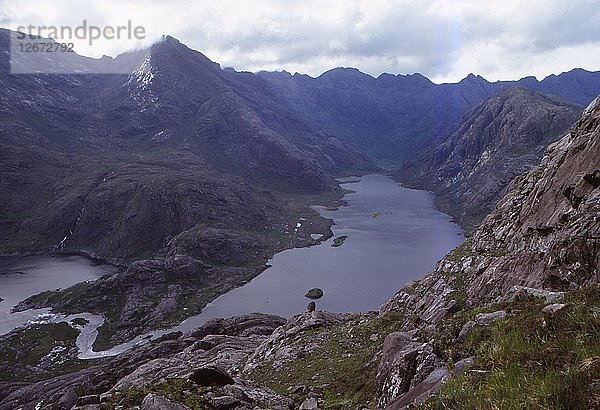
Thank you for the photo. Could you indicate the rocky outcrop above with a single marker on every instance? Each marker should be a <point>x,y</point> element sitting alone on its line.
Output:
<point>228,343</point>
<point>501,138</point>
<point>155,402</point>
<point>276,351</point>
<point>406,363</point>
<point>222,347</point>
<point>541,240</point>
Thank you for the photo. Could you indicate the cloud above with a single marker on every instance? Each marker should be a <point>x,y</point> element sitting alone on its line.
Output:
<point>445,40</point>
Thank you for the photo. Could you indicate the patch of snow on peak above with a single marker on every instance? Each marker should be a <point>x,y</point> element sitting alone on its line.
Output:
<point>142,79</point>
<point>144,75</point>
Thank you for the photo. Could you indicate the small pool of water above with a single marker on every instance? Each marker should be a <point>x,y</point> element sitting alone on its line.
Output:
<point>21,278</point>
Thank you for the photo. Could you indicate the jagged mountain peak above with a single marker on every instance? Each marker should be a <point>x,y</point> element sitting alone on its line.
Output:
<point>472,78</point>
<point>170,50</point>
<point>498,139</point>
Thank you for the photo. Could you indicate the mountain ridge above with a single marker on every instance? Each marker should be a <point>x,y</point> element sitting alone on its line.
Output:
<point>515,305</point>
<point>497,140</point>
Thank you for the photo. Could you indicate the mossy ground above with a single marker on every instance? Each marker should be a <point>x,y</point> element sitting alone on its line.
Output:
<point>342,367</point>
<point>530,360</point>
<point>176,390</point>
<point>39,352</point>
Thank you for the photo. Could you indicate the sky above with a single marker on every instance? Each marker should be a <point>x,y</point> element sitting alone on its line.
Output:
<point>443,39</point>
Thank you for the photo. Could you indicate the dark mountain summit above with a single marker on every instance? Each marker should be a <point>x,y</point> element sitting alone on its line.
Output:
<point>392,117</point>
<point>68,139</point>
<point>500,138</point>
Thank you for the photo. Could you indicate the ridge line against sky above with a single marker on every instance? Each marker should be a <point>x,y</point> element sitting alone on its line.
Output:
<point>441,39</point>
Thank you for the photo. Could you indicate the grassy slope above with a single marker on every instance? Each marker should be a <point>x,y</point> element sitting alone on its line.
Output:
<point>530,359</point>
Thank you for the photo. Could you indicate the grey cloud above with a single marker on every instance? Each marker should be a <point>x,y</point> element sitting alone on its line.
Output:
<point>435,37</point>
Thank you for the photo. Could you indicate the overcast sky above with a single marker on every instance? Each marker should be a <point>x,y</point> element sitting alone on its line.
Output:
<point>442,39</point>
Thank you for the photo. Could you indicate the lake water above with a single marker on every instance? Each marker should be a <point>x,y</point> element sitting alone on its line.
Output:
<point>394,235</point>
<point>24,277</point>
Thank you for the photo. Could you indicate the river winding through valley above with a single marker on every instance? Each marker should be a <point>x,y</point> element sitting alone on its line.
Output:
<point>393,235</point>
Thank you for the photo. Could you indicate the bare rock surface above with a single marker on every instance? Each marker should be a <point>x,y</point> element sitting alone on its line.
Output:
<point>541,240</point>
<point>155,402</point>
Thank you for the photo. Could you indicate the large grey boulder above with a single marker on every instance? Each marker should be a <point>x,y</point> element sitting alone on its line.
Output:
<point>155,402</point>
<point>423,390</point>
<point>405,363</point>
<point>310,403</point>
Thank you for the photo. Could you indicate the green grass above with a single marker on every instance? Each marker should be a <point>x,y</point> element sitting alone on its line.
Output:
<point>529,360</point>
<point>176,390</point>
<point>24,353</point>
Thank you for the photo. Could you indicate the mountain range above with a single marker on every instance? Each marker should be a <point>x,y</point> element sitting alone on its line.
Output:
<point>393,117</point>
<point>509,319</point>
<point>190,177</point>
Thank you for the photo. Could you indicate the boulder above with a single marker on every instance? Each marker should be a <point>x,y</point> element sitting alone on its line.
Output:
<point>422,391</point>
<point>314,293</point>
<point>155,402</point>
<point>68,399</point>
<point>481,320</point>
<point>405,363</point>
<point>553,308</point>
<point>310,403</point>
<point>484,319</point>
<point>466,331</point>
<point>225,402</point>
<point>549,296</point>
<point>463,365</point>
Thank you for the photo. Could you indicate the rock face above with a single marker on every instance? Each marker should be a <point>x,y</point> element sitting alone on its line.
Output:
<point>540,240</point>
<point>543,233</point>
<point>405,363</point>
<point>155,402</point>
<point>501,138</point>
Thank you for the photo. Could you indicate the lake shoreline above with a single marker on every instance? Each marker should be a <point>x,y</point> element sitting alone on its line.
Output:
<point>326,212</point>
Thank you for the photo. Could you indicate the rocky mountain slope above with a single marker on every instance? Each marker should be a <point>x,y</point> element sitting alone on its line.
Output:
<point>502,137</point>
<point>508,319</point>
<point>541,240</point>
<point>393,117</point>
<point>97,156</point>
<point>542,233</point>
<point>191,171</point>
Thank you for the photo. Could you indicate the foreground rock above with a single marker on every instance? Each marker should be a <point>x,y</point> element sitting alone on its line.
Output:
<point>406,363</point>
<point>155,402</point>
<point>175,357</point>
